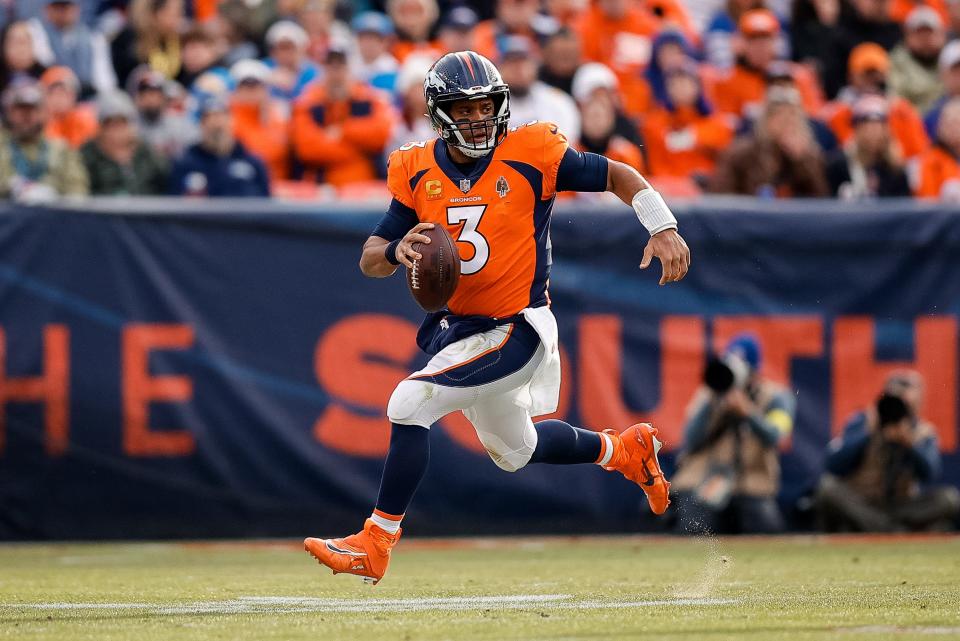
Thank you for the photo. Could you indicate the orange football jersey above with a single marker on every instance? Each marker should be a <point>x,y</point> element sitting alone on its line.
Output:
<point>499,214</point>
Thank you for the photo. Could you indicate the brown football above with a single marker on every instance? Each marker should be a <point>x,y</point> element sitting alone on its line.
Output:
<point>433,279</point>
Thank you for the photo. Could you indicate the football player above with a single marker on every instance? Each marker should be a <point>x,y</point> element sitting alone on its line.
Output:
<point>494,349</point>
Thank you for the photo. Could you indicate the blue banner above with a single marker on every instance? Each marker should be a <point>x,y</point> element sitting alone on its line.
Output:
<point>195,369</point>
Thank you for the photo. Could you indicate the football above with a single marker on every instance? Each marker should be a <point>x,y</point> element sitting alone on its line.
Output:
<point>433,279</point>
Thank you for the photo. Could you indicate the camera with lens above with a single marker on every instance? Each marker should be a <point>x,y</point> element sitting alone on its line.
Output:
<point>724,373</point>
<point>891,409</point>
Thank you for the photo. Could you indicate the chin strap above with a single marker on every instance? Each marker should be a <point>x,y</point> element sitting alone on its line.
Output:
<point>653,211</point>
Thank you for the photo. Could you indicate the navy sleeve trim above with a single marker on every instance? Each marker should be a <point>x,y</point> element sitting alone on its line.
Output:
<point>582,171</point>
<point>395,224</point>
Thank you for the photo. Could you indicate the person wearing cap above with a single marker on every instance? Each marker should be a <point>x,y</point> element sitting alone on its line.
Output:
<point>260,121</point>
<point>870,164</point>
<point>869,71</point>
<point>742,90</point>
<point>414,21</point>
<point>34,168</point>
<point>218,166</point>
<point>728,473</point>
<point>880,470</point>
<point>68,121</point>
<point>938,170</point>
<point>457,30</point>
<point>683,134</point>
<point>598,133</point>
<point>531,99</point>
<point>512,18</point>
<point>373,62</point>
<point>914,74</point>
<point>595,81</point>
<point>290,69</point>
<point>949,67</point>
<point>720,30</point>
<point>900,10</point>
<point>779,158</point>
<point>118,162</point>
<point>60,38</point>
<point>412,125</point>
<point>168,132</point>
<point>340,126</point>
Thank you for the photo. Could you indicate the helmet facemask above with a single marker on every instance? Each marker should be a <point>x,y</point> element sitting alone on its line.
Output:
<point>482,136</point>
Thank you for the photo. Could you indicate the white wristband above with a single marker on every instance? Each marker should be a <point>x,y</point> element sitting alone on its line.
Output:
<point>652,211</point>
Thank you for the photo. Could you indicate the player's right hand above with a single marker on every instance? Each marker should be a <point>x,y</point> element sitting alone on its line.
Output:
<point>405,253</point>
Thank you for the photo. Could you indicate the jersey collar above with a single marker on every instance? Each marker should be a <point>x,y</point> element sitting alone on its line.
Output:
<point>442,155</point>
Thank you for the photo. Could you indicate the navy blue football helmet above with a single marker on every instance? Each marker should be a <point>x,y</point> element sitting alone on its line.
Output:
<point>465,75</point>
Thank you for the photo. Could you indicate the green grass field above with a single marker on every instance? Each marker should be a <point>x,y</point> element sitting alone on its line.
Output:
<point>592,588</point>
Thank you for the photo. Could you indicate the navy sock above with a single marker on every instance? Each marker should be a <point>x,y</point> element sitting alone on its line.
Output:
<point>404,468</point>
<point>560,443</point>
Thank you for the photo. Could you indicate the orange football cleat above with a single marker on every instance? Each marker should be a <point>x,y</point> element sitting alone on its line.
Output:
<point>635,456</point>
<point>366,553</point>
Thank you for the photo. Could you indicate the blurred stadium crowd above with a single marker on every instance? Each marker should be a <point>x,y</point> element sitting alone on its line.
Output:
<point>305,98</point>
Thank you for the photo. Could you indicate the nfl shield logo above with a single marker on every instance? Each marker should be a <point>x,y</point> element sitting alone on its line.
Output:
<point>502,186</point>
<point>464,185</point>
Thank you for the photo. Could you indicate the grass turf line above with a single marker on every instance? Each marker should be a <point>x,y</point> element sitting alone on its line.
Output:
<point>704,589</point>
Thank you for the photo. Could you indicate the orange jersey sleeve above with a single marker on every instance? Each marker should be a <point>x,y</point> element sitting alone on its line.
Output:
<point>541,145</point>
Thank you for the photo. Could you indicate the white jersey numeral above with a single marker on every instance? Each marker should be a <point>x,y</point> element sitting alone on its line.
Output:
<point>470,217</point>
<point>410,145</point>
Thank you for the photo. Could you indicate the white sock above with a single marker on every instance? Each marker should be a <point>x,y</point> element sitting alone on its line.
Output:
<point>387,522</point>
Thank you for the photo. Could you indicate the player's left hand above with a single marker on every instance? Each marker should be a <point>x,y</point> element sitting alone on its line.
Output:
<point>673,253</point>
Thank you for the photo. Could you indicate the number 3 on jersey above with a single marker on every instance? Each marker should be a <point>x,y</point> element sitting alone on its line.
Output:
<point>470,217</point>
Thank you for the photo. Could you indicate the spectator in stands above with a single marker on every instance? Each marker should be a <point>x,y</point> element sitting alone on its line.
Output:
<point>684,137</point>
<point>374,64</point>
<point>913,63</point>
<point>18,58</point>
<point>34,168</point>
<point>900,9</point>
<point>198,57</point>
<point>561,59</point>
<point>218,165</point>
<point>953,15</point>
<point>939,167</point>
<point>68,121</point>
<point>531,99</point>
<point>252,19</point>
<point>414,21</point>
<point>457,30</point>
<point>168,132</point>
<point>779,159</point>
<point>291,71</point>
<point>594,81</point>
<point>741,92</point>
<point>151,37</point>
<point>869,72</point>
<point>780,74</point>
<point>867,21</point>
<point>230,42</point>
<point>721,30</point>
<point>340,126</point>
<point>870,164</point>
<point>319,20</point>
<point>619,34</point>
<point>413,124</point>
<point>565,12</point>
<point>728,475</point>
<point>118,162</point>
<point>514,18</point>
<point>877,469</point>
<point>815,39</point>
<point>60,38</point>
<point>949,66</point>
<point>670,51</point>
<point>260,122</point>
<point>599,133</point>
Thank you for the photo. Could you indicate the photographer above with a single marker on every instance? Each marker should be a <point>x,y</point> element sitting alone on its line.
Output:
<point>876,467</point>
<point>729,474</point>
